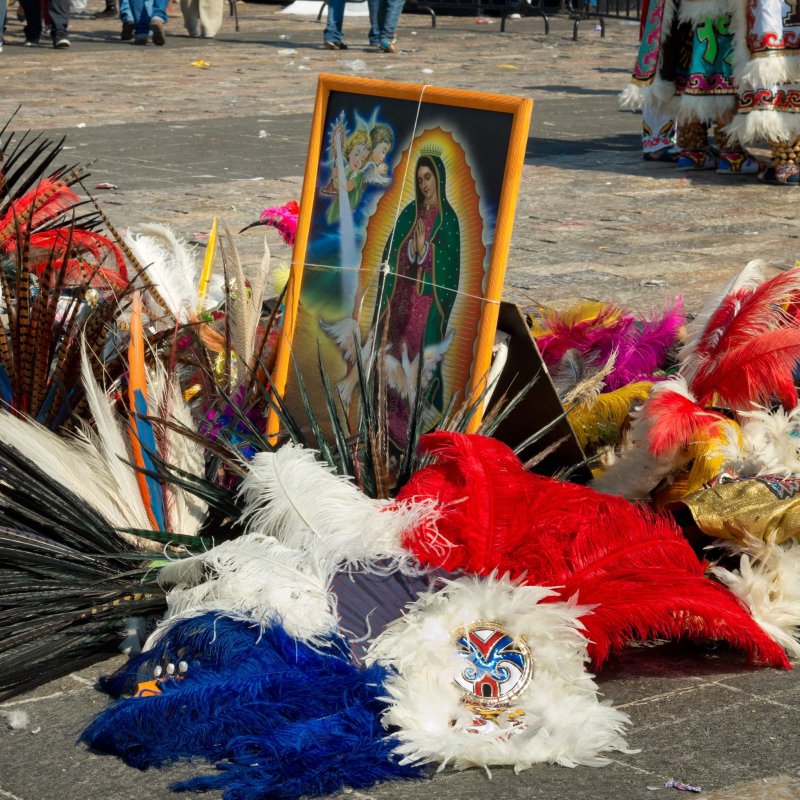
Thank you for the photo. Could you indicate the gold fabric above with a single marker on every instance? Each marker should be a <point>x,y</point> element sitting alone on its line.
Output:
<point>756,507</point>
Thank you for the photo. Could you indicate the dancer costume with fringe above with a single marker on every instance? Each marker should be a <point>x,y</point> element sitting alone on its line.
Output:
<point>685,68</point>
<point>767,72</point>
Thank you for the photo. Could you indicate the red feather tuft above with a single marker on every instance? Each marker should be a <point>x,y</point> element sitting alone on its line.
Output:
<point>635,565</point>
<point>675,421</point>
<point>746,353</point>
<point>38,206</point>
<point>755,372</point>
<point>107,269</point>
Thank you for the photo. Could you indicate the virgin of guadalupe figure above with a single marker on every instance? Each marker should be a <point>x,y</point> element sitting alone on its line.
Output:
<point>424,255</point>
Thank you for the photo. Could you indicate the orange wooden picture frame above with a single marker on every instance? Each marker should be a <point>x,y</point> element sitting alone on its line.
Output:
<point>519,108</point>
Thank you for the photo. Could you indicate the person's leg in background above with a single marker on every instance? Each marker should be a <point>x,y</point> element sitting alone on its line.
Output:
<point>333,30</point>
<point>33,21</point>
<point>375,21</point>
<point>126,15</point>
<point>211,12</point>
<point>59,19</point>
<point>391,16</point>
<point>2,22</point>
<point>158,19</point>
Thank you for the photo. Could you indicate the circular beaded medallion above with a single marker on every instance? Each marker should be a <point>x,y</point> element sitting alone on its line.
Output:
<point>498,666</point>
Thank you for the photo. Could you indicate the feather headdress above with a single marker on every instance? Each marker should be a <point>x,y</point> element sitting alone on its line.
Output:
<point>636,567</point>
<point>281,719</point>
<point>485,673</point>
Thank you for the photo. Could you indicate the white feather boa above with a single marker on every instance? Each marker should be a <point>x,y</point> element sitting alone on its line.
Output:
<point>253,576</point>
<point>292,496</point>
<point>562,719</point>
<point>768,582</point>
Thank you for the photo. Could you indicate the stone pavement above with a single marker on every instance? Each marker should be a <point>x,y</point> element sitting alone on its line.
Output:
<point>184,142</point>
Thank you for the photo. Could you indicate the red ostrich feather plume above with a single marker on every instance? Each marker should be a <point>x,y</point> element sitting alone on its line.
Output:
<point>635,566</point>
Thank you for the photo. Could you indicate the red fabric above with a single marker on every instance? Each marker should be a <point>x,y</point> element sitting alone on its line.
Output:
<point>643,17</point>
<point>635,565</point>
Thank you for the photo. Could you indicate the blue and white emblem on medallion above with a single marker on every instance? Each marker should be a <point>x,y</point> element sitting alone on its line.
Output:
<point>497,666</point>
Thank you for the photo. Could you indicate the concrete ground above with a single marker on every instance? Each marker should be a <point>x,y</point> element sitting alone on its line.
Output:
<point>183,142</point>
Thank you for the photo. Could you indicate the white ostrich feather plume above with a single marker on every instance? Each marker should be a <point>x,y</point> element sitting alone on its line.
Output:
<point>292,496</point>
<point>772,442</point>
<point>563,721</point>
<point>92,465</point>
<point>768,582</point>
<point>171,267</point>
<point>185,511</point>
<point>254,576</point>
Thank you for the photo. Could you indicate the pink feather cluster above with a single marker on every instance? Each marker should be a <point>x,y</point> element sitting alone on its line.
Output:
<point>641,346</point>
<point>283,219</point>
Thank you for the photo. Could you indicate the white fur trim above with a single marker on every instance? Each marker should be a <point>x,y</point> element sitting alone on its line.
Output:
<point>764,126</point>
<point>768,582</point>
<point>565,722</point>
<point>771,443</point>
<point>698,11</point>
<point>705,108</point>
<point>255,576</point>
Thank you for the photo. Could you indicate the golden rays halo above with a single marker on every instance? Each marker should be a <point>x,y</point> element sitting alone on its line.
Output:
<point>461,192</point>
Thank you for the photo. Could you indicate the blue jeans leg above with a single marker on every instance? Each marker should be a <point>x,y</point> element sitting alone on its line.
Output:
<point>125,11</point>
<point>375,9</point>
<point>333,30</point>
<point>2,18</point>
<point>141,11</point>
<point>391,16</point>
<point>160,9</point>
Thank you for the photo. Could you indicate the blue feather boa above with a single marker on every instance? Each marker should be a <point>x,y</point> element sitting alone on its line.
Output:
<point>287,720</point>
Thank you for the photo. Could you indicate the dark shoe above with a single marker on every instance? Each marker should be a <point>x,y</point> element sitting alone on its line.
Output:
<point>783,175</point>
<point>140,40</point>
<point>331,45</point>
<point>666,155</point>
<point>31,43</point>
<point>128,28</point>
<point>109,12</point>
<point>61,40</point>
<point>157,27</point>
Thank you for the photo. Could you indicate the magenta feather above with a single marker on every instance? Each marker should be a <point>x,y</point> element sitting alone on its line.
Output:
<point>283,219</point>
<point>644,348</point>
<point>597,337</point>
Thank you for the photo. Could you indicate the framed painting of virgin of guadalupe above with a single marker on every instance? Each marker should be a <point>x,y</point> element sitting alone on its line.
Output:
<point>405,221</point>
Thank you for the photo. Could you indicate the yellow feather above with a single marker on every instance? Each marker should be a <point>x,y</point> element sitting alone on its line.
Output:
<point>544,318</point>
<point>600,420</point>
<point>708,456</point>
<point>208,265</point>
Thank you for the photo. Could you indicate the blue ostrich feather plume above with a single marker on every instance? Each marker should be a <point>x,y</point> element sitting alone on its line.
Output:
<point>284,719</point>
